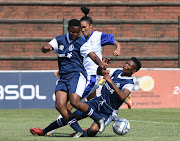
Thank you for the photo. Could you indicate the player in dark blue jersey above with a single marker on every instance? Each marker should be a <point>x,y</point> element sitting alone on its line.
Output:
<point>71,49</point>
<point>119,84</point>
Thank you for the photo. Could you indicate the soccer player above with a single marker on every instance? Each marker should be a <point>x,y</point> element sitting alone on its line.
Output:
<point>71,49</point>
<point>119,84</point>
<point>98,40</point>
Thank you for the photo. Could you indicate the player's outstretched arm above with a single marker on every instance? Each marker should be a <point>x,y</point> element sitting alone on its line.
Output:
<point>47,48</point>
<point>96,59</point>
<point>118,48</point>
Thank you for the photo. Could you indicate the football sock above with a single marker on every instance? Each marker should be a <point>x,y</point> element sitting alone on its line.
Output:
<point>54,125</point>
<point>74,124</point>
<point>62,122</point>
<point>91,113</point>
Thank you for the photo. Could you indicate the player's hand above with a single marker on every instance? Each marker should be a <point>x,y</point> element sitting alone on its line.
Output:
<point>46,48</point>
<point>106,60</point>
<point>105,63</point>
<point>56,74</point>
<point>116,53</point>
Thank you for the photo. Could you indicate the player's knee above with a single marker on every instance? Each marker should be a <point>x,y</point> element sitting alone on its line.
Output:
<point>59,106</point>
<point>76,104</point>
<point>75,100</point>
<point>94,129</point>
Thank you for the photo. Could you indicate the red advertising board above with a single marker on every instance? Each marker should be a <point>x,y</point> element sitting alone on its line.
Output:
<point>156,89</point>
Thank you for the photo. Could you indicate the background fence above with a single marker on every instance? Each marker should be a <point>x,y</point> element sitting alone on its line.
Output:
<point>154,41</point>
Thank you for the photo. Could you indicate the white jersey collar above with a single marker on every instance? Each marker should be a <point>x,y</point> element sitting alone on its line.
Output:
<point>124,77</point>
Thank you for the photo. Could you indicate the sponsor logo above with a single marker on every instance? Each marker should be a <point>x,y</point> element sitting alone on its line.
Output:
<point>25,92</point>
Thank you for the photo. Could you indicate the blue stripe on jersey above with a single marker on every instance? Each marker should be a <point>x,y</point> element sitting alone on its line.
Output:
<point>90,35</point>
<point>108,92</point>
<point>69,56</point>
<point>107,39</point>
<point>89,86</point>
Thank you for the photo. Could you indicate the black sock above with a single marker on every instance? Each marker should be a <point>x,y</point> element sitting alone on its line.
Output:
<point>74,124</point>
<point>91,113</point>
<point>52,126</point>
<point>56,124</point>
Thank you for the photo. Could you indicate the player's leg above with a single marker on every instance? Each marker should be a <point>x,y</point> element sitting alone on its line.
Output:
<point>60,122</point>
<point>88,110</point>
<point>60,104</point>
<point>92,131</point>
<point>69,106</point>
<point>89,91</point>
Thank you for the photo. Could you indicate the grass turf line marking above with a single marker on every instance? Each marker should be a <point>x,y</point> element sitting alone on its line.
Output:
<point>153,122</point>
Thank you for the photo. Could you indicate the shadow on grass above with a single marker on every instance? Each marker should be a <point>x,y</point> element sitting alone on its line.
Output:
<point>68,135</point>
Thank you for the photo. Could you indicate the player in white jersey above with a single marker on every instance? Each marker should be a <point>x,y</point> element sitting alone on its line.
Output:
<point>98,40</point>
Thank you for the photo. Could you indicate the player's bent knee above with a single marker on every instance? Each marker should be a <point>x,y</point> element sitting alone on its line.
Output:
<point>95,130</point>
<point>76,104</point>
<point>60,107</point>
<point>92,132</point>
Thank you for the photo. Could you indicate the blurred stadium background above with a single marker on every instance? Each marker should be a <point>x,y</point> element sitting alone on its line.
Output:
<point>145,29</point>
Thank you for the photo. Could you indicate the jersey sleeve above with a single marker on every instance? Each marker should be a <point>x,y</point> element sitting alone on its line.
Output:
<point>107,39</point>
<point>111,72</point>
<point>85,49</point>
<point>54,44</point>
<point>130,87</point>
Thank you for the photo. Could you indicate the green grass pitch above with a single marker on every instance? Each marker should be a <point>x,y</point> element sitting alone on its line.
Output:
<point>146,125</point>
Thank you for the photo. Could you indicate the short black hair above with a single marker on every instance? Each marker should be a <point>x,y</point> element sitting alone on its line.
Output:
<point>74,22</point>
<point>137,62</point>
<point>86,10</point>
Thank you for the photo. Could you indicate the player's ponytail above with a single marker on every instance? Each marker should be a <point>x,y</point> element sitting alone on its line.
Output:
<point>86,10</point>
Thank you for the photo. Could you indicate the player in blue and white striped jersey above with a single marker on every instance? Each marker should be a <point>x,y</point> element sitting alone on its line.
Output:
<point>119,84</point>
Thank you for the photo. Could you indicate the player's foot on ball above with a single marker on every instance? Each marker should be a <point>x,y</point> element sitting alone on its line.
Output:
<point>101,124</point>
<point>37,131</point>
<point>128,102</point>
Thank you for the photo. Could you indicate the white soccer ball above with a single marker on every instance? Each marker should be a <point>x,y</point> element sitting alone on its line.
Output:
<point>121,126</point>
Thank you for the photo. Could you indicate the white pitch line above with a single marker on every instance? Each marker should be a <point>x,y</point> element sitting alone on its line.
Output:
<point>153,122</point>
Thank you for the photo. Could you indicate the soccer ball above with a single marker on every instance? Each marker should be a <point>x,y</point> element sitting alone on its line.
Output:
<point>121,126</point>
